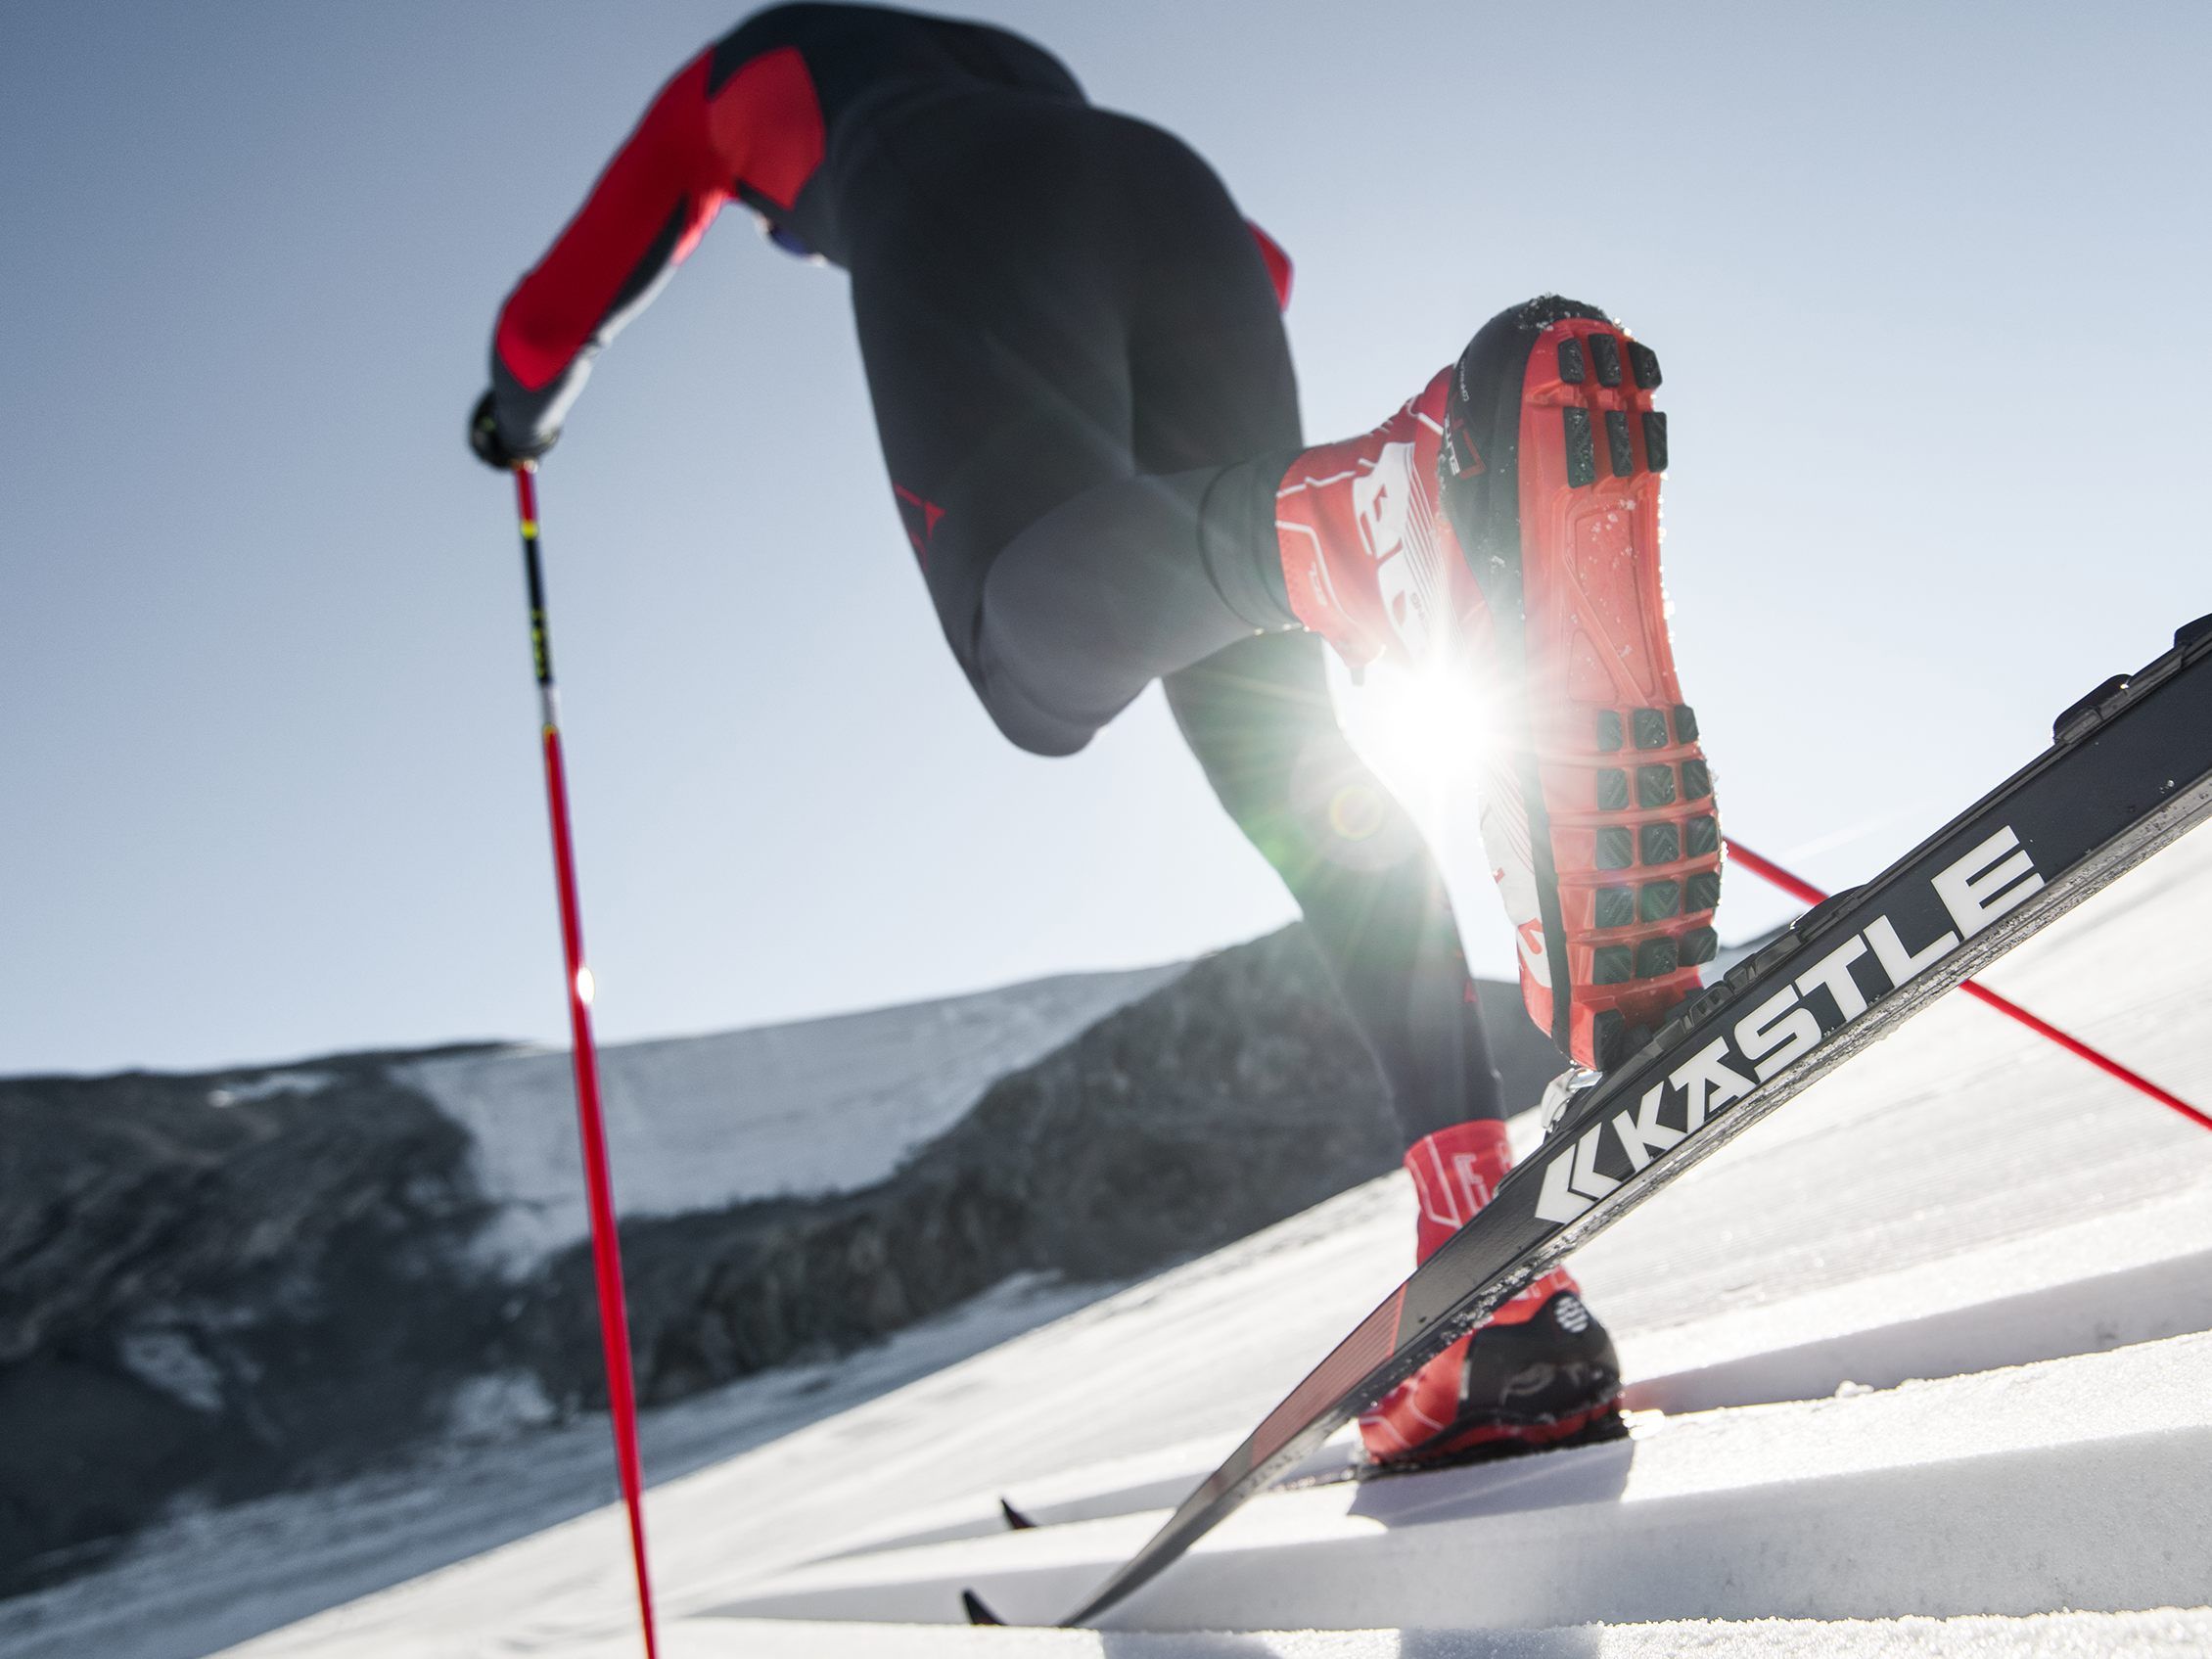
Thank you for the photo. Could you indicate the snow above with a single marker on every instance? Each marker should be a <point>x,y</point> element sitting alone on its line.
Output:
<point>269,1087</point>
<point>210,1578</point>
<point>1922,1366</point>
<point>168,1361</point>
<point>820,1106</point>
<point>1800,1509</point>
<point>2180,1633</point>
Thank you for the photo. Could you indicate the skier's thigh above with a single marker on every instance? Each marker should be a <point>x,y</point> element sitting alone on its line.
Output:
<point>992,427</point>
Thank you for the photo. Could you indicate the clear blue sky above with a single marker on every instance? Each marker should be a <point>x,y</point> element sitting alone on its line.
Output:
<point>1930,284</point>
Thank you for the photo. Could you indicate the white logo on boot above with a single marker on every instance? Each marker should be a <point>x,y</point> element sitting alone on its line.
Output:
<point>1535,958</point>
<point>1391,513</point>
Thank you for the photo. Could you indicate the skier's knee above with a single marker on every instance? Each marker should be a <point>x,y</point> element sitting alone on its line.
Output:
<point>1028,725</point>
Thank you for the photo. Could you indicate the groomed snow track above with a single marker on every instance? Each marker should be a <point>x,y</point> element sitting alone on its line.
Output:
<point>1924,1365</point>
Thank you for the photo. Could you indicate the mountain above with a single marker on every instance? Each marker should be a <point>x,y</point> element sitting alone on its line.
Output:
<point>218,1284</point>
<point>221,1287</point>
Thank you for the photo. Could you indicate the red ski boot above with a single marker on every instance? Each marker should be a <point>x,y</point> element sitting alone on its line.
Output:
<point>1541,1369</point>
<point>1367,559</point>
<point>1512,512</point>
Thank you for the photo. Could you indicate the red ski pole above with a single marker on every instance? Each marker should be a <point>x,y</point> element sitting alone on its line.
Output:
<point>606,1247</point>
<point>1798,888</point>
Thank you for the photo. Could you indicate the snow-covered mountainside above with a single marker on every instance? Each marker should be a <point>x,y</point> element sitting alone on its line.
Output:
<point>1923,1364</point>
<point>222,1284</point>
<point>695,1122</point>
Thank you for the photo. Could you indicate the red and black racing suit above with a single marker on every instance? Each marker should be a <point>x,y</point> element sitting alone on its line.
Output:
<point>1086,399</point>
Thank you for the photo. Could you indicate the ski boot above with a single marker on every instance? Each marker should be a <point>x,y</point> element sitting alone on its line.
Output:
<point>1510,515</point>
<point>1541,1370</point>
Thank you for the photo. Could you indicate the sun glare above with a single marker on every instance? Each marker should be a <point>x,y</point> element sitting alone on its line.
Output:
<point>1425,730</point>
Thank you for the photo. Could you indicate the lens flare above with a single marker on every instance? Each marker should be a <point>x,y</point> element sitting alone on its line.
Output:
<point>1428,732</point>
<point>1425,730</point>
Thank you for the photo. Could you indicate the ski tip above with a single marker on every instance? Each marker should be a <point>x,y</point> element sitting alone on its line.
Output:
<point>978,1614</point>
<point>1016,1521</point>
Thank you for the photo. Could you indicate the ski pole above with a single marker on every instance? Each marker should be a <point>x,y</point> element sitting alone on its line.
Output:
<point>606,1247</point>
<point>1798,888</point>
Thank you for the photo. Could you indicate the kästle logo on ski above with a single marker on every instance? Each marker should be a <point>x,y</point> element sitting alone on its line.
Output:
<point>1975,891</point>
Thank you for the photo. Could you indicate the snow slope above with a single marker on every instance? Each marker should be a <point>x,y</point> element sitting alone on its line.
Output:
<point>1922,1367</point>
<point>882,1081</point>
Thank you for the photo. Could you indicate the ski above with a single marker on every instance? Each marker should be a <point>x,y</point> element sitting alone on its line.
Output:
<point>2129,771</point>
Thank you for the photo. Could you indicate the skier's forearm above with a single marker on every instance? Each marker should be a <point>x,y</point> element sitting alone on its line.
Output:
<point>645,214</point>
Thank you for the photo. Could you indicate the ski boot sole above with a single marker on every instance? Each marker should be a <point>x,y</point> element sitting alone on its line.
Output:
<point>1552,459</point>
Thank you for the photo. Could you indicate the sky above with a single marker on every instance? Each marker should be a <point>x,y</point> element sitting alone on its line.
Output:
<point>1929,283</point>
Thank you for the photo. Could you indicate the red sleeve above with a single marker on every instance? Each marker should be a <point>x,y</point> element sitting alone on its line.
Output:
<point>759,129</point>
<point>1279,264</point>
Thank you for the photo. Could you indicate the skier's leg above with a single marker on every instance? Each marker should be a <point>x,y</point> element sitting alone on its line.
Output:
<point>1214,383</point>
<point>1258,717</point>
<point>1510,510</point>
<point>1056,425</point>
<point>1004,336</point>
<point>1541,1369</point>
<point>1010,326</point>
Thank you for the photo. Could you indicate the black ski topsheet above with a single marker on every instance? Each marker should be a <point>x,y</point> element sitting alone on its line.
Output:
<point>2129,771</point>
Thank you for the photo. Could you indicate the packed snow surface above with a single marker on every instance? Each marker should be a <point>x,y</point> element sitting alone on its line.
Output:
<point>1923,1364</point>
<point>698,1122</point>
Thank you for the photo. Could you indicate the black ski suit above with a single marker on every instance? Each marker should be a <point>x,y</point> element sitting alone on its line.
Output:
<point>1086,399</point>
